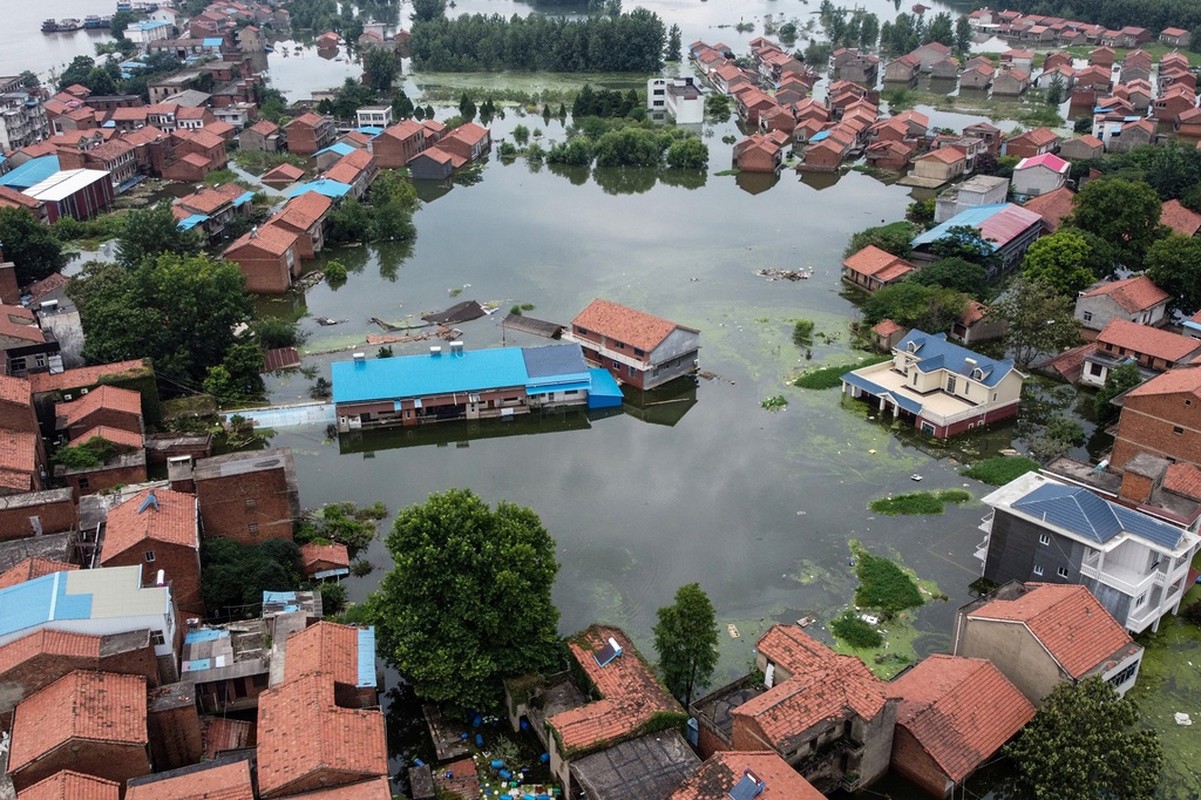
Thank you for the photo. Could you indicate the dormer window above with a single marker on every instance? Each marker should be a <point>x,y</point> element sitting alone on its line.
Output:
<point>977,374</point>
<point>911,347</point>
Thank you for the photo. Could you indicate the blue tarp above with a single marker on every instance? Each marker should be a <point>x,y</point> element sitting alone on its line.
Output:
<point>331,189</point>
<point>605,393</point>
<point>341,148</point>
<point>972,217</point>
<point>366,657</point>
<point>817,137</point>
<point>30,173</point>
<point>213,41</point>
<point>192,222</point>
<point>205,635</point>
<point>243,199</point>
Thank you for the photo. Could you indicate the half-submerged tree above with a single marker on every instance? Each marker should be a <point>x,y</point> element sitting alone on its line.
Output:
<point>686,638</point>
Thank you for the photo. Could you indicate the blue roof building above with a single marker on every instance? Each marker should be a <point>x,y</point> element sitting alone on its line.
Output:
<point>31,173</point>
<point>1007,228</point>
<point>331,189</point>
<point>340,148</point>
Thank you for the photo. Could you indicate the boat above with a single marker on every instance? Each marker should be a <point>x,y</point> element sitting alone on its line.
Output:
<point>61,25</point>
<point>94,22</point>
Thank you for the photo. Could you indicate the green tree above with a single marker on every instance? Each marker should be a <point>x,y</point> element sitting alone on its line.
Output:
<point>965,242</point>
<point>426,10</point>
<point>893,238</point>
<point>30,80</point>
<point>688,153</point>
<point>921,213</point>
<point>1060,261</point>
<point>380,68</point>
<point>915,305</point>
<point>30,245</point>
<point>717,107</point>
<point>686,639</point>
<point>953,273</point>
<point>466,108</point>
<point>1040,319</point>
<point>1120,211</point>
<point>239,375</point>
<point>235,575</point>
<point>468,601</point>
<point>1174,265</point>
<point>941,30</point>
<point>120,21</point>
<point>76,72</point>
<point>429,112</point>
<point>675,48</point>
<point>1087,742</point>
<point>1055,91</point>
<point>402,106</point>
<point>146,233</point>
<point>963,34</point>
<point>1121,378</point>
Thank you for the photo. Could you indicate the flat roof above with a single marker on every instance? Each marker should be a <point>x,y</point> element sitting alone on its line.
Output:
<point>65,183</point>
<point>79,595</point>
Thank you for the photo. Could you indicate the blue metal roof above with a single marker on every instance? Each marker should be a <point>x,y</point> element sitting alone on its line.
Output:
<point>604,391</point>
<point>366,660</point>
<point>205,635</point>
<point>243,199</point>
<point>972,217</point>
<point>566,386</point>
<point>817,137</point>
<point>370,130</point>
<point>902,401</point>
<point>420,376</point>
<point>39,601</point>
<point>331,189</point>
<point>1083,513</point>
<point>191,222</point>
<point>341,148</point>
<point>32,172</point>
<point>935,352</point>
<point>213,41</point>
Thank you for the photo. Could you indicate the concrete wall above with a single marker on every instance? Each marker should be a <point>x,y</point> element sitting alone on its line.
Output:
<point>1015,651</point>
<point>1014,551</point>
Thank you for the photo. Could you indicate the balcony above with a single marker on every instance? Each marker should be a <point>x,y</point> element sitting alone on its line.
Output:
<point>986,523</point>
<point>1125,581</point>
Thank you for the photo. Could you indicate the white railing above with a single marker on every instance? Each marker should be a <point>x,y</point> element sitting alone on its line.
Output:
<point>1122,584</point>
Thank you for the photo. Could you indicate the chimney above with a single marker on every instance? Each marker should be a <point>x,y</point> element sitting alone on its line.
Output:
<point>1142,477</point>
<point>436,351</point>
<point>179,474</point>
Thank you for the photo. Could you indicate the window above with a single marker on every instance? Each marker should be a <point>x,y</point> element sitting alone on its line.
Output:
<point>951,384</point>
<point>1044,538</point>
<point>1095,369</point>
<point>658,92</point>
<point>1038,570</point>
<point>16,365</point>
<point>83,485</point>
<point>250,503</point>
<point>914,377</point>
<point>1124,675</point>
<point>639,352</point>
<point>1062,572</point>
<point>1176,429</point>
<point>253,528</point>
<point>1141,601</point>
<point>1088,316</point>
<point>149,555</point>
<point>157,639</point>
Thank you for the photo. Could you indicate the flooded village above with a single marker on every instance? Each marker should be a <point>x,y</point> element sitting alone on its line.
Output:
<point>810,416</point>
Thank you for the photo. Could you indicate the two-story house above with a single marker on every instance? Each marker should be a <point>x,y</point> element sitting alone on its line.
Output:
<point>1041,529</point>
<point>638,348</point>
<point>1137,299</point>
<point>1161,417</point>
<point>872,268</point>
<point>944,388</point>
<point>1152,349</point>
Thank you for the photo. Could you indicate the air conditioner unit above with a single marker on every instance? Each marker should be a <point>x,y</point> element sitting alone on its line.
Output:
<point>83,391</point>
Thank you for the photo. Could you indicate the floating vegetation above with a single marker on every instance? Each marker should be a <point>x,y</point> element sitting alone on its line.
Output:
<point>919,502</point>
<point>855,631</point>
<point>831,376</point>
<point>1000,470</point>
<point>776,403</point>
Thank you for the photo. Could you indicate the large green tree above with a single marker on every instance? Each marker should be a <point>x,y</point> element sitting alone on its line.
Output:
<point>953,273</point>
<point>180,311</point>
<point>929,308</point>
<point>380,68</point>
<point>1121,378</point>
<point>1123,212</point>
<point>1061,261</point>
<point>30,245</point>
<point>686,639</point>
<point>146,233</point>
<point>235,575</point>
<point>468,601</point>
<point>1040,319</point>
<point>1086,743</point>
<point>1174,264</point>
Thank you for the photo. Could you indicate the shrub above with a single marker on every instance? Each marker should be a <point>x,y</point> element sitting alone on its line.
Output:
<point>802,332</point>
<point>777,403</point>
<point>830,377</point>
<point>1000,470</point>
<point>855,631</point>
<point>333,598</point>
<point>92,453</point>
<point>914,503</point>
<point>335,273</point>
<point>884,585</point>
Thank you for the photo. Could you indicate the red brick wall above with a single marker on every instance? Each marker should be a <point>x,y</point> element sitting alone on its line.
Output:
<point>101,479</point>
<point>55,517</point>
<point>708,742</point>
<point>264,275</point>
<point>180,564</point>
<point>1147,424</point>
<point>175,739</point>
<point>117,762</point>
<point>224,510</point>
<point>914,763</point>
<point>392,153</point>
<point>747,735</point>
<point>111,417</point>
<point>18,417</point>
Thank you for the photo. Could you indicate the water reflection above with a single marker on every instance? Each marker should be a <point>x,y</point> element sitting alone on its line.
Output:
<point>756,182</point>
<point>665,405</point>
<point>461,433</point>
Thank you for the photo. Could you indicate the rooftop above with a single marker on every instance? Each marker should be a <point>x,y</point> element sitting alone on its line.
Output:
<point>304,211</point>
<point>647,767</point>
<point>873,261</point>
<point>244,463</point>
<point>42,382</point>
<point>999,223</point>
<point>1182,220</point>
<point>374,789</point>
<point>960,710</point>
<point>346,652</point>
<point>630,326</point>
<point>65,183</point>
<point>17,322</point>
<point>33,567</point>
<point>110,398</point>
<point>155,515</point>
<point>1053,207</point>
<point>270,238</point>
<point>934,352</point>
<point>1132,294</point>
<point>1048,160</point>
<point>70,785</point>
<point>1176,381</point>
<point>1170,347</point>
<point>716,778</point>
<point>226,780</point>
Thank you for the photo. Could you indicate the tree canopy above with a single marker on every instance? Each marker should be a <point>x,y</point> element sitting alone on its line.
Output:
<point>145,233</point>
<point>1123,212</point>
<point>468,601</point>
<point>953,273</point>
<point>916,305</point>
<point>1041,320</point>
<point>380,68</point>
<point>1120,378</point>
<point>1086,742</point>
<point>30,245</point>
<point>893,238</point>
<point>236,575</point>
<point>686,639</point>
<point>1174,264</point>
<point>1060,261</point>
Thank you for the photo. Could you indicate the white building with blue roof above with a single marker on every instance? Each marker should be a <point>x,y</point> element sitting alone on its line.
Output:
<point>945,389</point>
<point>1042,530</point>
<point>459,384</point>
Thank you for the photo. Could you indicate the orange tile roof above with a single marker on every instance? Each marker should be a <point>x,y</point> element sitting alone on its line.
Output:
<point>301,731</point>
<point>93,706</point>
<point>307,120</point>
<point>886,327</point>
<point>1149,341</point>
<point>172,521</point>
<point>960,710</point>
<point>31,568</point>
<point>627,325</point>
<point>947,155</point>
<point>1053,207</point>
<point>403,130</point>
<point>314,556</point>
<point>1174,381</point>
<point>11,198</point>
<point>630,695</point>
<point>1180,219</point>
<point>222,782</point>
<point>1069,622</point>
<point>871,261</point>
<point>206,201</point>
<point>69,785</point>
<point>376,789</point>
<point>200,136</point>
<point>470,133</point>
<point>111,398</point>
<point>143,135</point>
<point>324,647</point>
<point>17,322</point>
<point>289,172</point>
<point>45,286</point>
<point>117,436</point>
<point>344,171</point>
<point>264,127</point>
<point>18,451</point>
<point>722,771</point>
<point>1133,294</point>
<point>83,376</point>
<point>57,644</point>
<point>270,238</point>
<point>15,390</point>
<point>1183,478</point>
<point>460,779</point>
<point>196,160</point>
<point>304,211</point>
<point>1037,137</point>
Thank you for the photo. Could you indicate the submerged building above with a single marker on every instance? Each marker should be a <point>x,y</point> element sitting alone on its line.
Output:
<point>459,384</point>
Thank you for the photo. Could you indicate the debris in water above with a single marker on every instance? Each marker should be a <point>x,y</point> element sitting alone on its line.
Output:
<point>325,321</point>
<point>1183,719</point>
<point>915,477</point>
<point>732,629</point>
<point>805,622</point>
<point>786,274</point>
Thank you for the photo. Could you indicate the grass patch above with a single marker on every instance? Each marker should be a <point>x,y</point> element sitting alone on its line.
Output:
<point>802,332</point>
<point>831,376</point>
<point>883,585</point>
<point>919,502</point>
<point>777,403</point>
<point>1000,470</point>
<point>855,631</point>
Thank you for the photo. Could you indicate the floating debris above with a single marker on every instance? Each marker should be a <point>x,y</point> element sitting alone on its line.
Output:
<point>460,312</point>
<point>786,274</point>
<point>732,629</point>
<point>915,477</point>
<point>806,621</point>
<point>327,321</point>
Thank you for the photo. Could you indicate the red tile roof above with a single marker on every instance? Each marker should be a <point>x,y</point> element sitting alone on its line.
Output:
<point>1180,219</point>
<point>886,327</point>
<point>947,155</point>
<point>117,436</point>
<point>403,130</point>
<point>376,789</point>
<point>84,705</point>
<point>200,136</point>
<point>269,238</point>
<point>460,779</point>
<point>196,160</point>
<point>1183,478</point>
<point>31,568</point>
<point>1174,381</point>
<point>206,201</point>
<point>15,390</point>
<point>69,785</point>
<point>471,134</point>
<point>301,731</point>
<point>960,710</point>
<point>288,172</point>
<point>110,398</point>
<point>315,557</point>
<point>627,325</point>
<point>264,127</point>
<point>83,376</point>
<point>309,120</point>
<point>18,452</point>
<point>11,198</point>
<point>1068,621</point>
<point>1037,137</point>
<point>171,521</point>
<point>17,322</point>
<point>1171,347</point>
<point>324,647</point>
<point>303,211</point>
<point>56,644</point>
<point>722,771</point>
<point>1053,207</point>
<point>221,782</point>
<point>630,695</point>
<point>222,734</point>
<point>873,261</point>
<point>1133,294</point>
<point>46,285</point>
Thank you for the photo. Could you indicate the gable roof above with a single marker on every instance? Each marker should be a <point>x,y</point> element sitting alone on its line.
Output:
<point>15,390</point>
<point>346,652</point>
<point>30,568</point>
<point>999,224</point>
<point>93,706</point>
<point>1054,206</point>
<point>960,710</point>
<point>1132,294</point>
<point>313,555</point>
<point>303,211</point>
<point>264,127</point>
<point>630,694</point>
<point>269,238</point>
<point>934,352</point>
<point>48,643</point>
<point>947,155</point>
<point>716,778</point>
<point>17,322</point>
<point>375,789</point>
<point>627,325</point>
<point>222,781</point>
<point>71,785</point>
<point>1184,221</point>
<point>1037,136</point>
<point>1149,341</point>
<point>1092,518</point>
<point>155,515</point>
<point>302,731</point>
<point>1047,160</point>
<point>288,172</point>
<point>1183,478</point>
<point>878,263</point>
<point>41,382</point>
<point>1174,381</point>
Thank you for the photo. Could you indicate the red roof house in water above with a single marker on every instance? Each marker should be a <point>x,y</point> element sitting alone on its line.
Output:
<point>638,348</point>
<point>872,268</point>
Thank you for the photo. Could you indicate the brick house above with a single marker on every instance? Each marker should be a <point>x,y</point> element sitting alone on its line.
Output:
<point>762,774</point>
<point>157,529</point>
<point>942,165</point>
<point>975,324</point>
<point>104,406</point>
<point>1136,299</point>
<point>108,741</point>
<point>34,566</point>
<point>227,779</point>
<point>470,142</point>
<point>24,346</point>
<point>357,169</point>
<point>1153,349</point>
<point>640,349</point>
<point>1175,37</point>
<point>305,216</point>
<point>1031,143</point>
<point>825,714</point>
<point>263,136</point>
<point>872,268</point>
<point>309,133</point>
<point>267,257</point>
<point>978,74</point>
<point>321,561</point>
<point>434,165</point>
<point>760,152</point>
<point>248,497</point>
<point>1082,148</point>
<point>902,70</point>
<point>1053,208</point>
<point>1161,417</point>
<point>1011,83</point>
<point>69,785</point>
<point>346,652</point>
<point>1181,220</point>
<point>306,741</point>
<point>891,155</point>
<point>399,144</point>
<point>1043,634</point>
<point>955,714</point>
